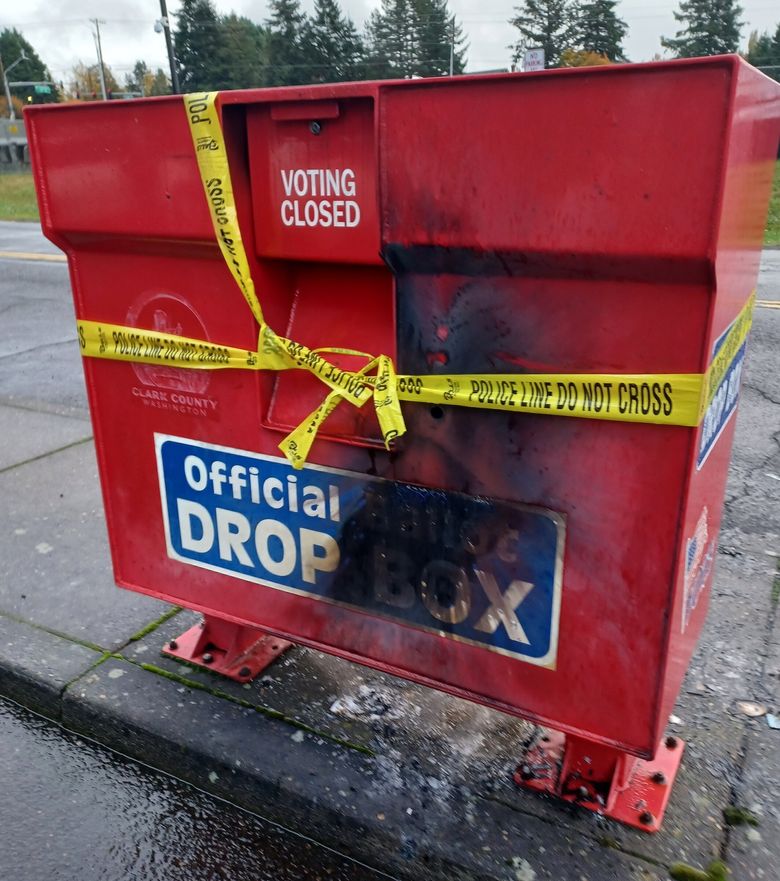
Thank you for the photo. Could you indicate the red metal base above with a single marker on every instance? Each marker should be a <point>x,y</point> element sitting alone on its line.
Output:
<point>232,650</point>
<point>602,778</point>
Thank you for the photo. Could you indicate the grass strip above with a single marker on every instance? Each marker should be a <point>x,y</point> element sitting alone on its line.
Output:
<point>153,625</point>
<point>772,232</point>
<point>17,197</point>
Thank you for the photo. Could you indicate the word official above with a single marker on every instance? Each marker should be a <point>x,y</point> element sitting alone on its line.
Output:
<point>279,548</point>
<point>319,197</point>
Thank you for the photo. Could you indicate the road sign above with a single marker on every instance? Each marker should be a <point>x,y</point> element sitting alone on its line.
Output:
<point>533,59</point>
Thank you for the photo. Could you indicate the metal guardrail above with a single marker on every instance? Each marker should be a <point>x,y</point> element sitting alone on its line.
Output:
<point>13,143</point>
<point>13,130</point>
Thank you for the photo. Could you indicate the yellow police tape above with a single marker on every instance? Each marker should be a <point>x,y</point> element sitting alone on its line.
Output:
<point>665,399</point>
<point>277,353</point>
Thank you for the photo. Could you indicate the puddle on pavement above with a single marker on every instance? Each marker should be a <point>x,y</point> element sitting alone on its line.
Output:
<point>72,810</point>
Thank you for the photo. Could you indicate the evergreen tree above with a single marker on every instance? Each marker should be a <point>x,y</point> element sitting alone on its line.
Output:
<point>600,29</point>
<point>551,24</point>
<point>392,40</point>
<point>759,49</point>
<point>246,61</point>
<point>764,52</point>
<point>407,38</point>
<point>710,27</point>
<point>332,45</point>
<point>136,81</point>
<point>201,47</point>
<point>439,35</point>
<point>32,69</point>
<point>287,60</point>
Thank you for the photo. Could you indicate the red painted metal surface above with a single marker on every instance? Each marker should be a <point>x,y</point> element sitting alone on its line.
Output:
<point>603,779</point>
<point>233,650</point>
<point>583,221</point>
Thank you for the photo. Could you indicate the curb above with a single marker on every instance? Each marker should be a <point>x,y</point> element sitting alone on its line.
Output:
<point>387,815</point>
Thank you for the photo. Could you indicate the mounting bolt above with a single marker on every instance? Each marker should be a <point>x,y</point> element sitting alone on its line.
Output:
<point>245,671</point>
<point>207,657</point>
<point>646,818</point>
<point>659,777</point>
<point>671,742</point>
<point>315,127</point>
<point>583,792</point>
<point>173,645</point>
<point>526,773</point>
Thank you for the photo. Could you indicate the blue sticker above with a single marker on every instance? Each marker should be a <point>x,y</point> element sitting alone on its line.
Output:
<point>724,401</point>
<point>472,569</point>
<point>699,557</point>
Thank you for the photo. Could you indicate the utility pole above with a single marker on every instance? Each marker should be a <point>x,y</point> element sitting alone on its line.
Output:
<point>4,73</point>
<point>11,113</point>
<point>96,22</point>
<point>452,45</point>
<point>166,26</point>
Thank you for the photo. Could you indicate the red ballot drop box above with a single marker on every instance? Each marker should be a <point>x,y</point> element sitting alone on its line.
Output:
<point>507,235</point>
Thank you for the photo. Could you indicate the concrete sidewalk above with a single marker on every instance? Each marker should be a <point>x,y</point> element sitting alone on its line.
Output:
<point>408,780</point>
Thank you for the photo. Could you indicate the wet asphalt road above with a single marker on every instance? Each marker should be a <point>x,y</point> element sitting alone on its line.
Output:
<point>73,811</point>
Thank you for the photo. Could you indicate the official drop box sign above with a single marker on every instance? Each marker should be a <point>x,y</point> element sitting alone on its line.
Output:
<point>471,569</point>
<point>724,399</point>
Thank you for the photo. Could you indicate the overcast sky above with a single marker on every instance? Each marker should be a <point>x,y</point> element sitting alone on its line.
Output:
<point>61,32</point>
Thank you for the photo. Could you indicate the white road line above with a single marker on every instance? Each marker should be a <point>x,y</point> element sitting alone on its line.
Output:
<point>31,255</point>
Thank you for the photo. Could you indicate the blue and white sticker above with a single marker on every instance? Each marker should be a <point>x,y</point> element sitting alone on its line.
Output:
<point>724,401</point>
<point>699,559</point>
<point>471,569</point>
